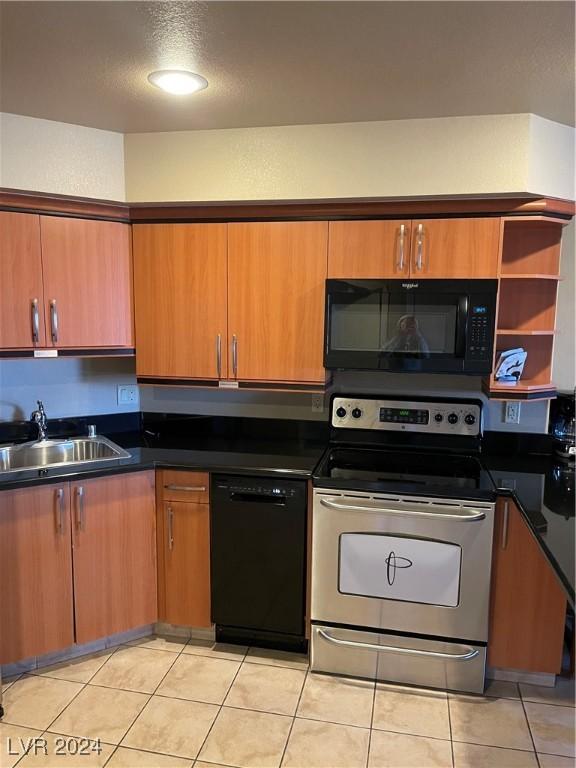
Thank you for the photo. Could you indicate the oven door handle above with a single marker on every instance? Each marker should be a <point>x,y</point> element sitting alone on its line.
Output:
<point>470,654</point>
<point>466,517</point>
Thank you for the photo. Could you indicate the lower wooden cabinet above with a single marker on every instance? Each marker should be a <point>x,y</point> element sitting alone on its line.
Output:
<point>114,551</point>
<point>36,614</point>
<point>77,563</point>
<point>184,548</point>
<point>528,606</point>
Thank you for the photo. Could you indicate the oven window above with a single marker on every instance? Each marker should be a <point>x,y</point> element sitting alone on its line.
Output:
<point>414,570</point>
<point>377,321</point>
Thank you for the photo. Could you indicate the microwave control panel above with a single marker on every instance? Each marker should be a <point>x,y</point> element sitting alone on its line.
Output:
<point>479,336</point>
<point>439,418</point>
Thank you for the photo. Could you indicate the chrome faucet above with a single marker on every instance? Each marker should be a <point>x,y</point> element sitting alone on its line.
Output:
<point>38,417</point>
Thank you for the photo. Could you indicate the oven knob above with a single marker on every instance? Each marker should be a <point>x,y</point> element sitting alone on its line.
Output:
<point>470,419</point>
<point>438,417</point>
<point>356,413</point>
<point>453,418</point>
<point>341,412</point>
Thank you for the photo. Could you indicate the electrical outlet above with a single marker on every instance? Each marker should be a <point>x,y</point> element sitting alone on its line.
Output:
<point>127,395</point>
<point>512,412</point>
<point>317,403</point>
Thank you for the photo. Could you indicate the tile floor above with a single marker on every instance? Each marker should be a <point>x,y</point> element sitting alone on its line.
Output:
<point>162,703</point>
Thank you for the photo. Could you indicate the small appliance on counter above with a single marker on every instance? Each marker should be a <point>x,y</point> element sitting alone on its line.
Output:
<point>562,425</point>
<point>402,528</point>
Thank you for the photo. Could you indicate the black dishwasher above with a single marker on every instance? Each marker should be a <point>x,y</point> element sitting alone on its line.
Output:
<point>258,560</point>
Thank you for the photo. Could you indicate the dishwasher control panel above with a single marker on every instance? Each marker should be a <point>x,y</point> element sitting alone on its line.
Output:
<point>444,417</point>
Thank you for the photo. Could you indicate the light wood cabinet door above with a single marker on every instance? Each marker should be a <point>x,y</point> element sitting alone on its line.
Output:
<point>36,609</point>
<point>181,300</point>
<point>186,539</point>
<point>528,606</point>
<point>21,292</point>
<point>460,248</point>
<point>114,553</point>
<point>276,280</point>
<point>369,249</point>
<point>88,286</point>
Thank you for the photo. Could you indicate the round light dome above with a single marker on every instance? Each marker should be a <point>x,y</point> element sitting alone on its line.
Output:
<point>178,82</point>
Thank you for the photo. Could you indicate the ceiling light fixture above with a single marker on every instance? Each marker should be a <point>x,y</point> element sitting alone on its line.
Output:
<point>178,82</point>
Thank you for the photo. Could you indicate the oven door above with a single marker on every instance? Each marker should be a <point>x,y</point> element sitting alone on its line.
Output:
<point>396,325</point>
<point>403,564</point>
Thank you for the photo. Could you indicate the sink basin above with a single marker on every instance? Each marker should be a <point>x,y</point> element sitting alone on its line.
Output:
<point>47,454</point>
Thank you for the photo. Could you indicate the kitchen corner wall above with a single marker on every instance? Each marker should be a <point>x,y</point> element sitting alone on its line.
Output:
<point>47,156</point>
<point>486,155</point>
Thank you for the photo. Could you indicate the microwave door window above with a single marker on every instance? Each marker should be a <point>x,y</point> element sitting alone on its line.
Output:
<point>421,330</point>
<point>356,322</point>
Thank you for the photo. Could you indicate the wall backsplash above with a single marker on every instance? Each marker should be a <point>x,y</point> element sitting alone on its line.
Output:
<point>288,405</point>
<point>68,386</point>
<point>84,386</point>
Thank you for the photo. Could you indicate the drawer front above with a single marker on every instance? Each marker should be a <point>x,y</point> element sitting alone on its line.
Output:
<point>182,485</point>
<point>398,658</point>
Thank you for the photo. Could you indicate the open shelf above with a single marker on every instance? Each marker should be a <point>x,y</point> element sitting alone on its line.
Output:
<point>530,276</point>
<point>501,332</point>
<point>537,372</point>
<point>527,305</point>
<point>531,248</point>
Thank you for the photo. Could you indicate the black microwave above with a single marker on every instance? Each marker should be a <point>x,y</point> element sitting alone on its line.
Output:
<point>421,326</point>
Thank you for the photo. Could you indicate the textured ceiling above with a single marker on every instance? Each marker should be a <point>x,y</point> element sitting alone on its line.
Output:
<point>279,63</point>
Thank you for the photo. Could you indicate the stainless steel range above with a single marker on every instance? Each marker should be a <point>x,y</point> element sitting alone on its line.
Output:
<point>401,544</point>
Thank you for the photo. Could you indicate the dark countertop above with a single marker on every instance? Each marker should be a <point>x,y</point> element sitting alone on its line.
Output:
<point>543,489</point>
<point>542,486</point>
<point>261,447</point>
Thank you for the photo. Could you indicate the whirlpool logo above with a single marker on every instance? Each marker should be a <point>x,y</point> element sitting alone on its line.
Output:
<point>393,563</point>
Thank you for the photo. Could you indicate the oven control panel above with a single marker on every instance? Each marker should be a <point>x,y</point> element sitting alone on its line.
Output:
<point>440,418</point>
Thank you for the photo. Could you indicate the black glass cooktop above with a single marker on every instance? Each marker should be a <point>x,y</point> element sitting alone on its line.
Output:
<point>436,473</point>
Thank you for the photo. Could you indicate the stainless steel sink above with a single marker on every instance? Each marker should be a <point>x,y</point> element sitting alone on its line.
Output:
<point>47,454</point>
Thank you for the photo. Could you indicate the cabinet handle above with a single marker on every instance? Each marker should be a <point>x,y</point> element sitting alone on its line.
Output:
<point>401,247</point>
<point>60,510</point>
<point>504,542</point>
<point>35,321</point>
<point>80,516</point>
<point>198,488</point>
<point>419,246</point>
<point>170,528</point>
<point>234,356</point>
<point>219,355</point>
<point>54,320</point>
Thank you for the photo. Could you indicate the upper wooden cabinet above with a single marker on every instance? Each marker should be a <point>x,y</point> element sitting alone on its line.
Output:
<point>114,545</point>
<point>276,278</point>
<point>36,613</point>
<point>64,283</point>
<point>460,248</point>
<point>21,291</point>
<point>369,249</point>
<point>87,269</point>
<point>434,248</point>
<point>181,300</point>
<point>528,606</point>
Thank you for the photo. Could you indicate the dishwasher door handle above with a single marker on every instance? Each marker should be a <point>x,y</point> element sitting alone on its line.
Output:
<point>467,517</point>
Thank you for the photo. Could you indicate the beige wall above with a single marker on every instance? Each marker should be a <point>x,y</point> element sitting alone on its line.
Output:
<point>498,154</point>
<point>46,156</point>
